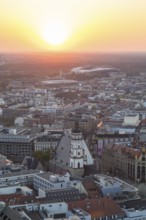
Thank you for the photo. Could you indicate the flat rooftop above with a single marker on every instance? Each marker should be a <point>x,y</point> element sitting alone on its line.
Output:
<point>135,213</point>
<point>51,177</point>
<point>15,138</point>
<point>9,184</point>
<point>20,173</point>
<point>108,181</point>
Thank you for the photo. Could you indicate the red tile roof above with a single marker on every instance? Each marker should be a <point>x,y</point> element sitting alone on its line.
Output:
<point>11,199</point>
<point>91,188</point>
<point>98,207</point>
<point>124,149</point>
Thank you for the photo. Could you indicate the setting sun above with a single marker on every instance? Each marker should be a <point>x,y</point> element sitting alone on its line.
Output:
<point>55,33</point>
<point>75,25</point>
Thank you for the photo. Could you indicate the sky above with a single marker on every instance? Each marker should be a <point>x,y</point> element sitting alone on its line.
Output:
<point>73,25</point>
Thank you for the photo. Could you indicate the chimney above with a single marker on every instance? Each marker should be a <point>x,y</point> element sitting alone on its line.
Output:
<point>88,205</point>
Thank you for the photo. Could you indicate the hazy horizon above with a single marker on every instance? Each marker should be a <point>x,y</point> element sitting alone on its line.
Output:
<point>137,53</point>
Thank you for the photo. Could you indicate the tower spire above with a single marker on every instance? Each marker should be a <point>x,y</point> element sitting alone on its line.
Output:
<point>76,128</point>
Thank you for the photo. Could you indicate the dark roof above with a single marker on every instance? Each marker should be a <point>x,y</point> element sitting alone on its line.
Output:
<point>67,194</point>
<point>9,213</point>
<point>91,188</point>
<point>31,163</point>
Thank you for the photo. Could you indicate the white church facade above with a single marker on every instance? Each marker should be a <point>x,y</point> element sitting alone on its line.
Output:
<point>72,153</point>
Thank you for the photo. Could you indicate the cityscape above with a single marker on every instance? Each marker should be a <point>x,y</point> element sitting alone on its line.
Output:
<point>72,110</point>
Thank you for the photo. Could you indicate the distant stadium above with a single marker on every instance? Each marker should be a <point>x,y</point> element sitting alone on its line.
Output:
<point>59,82</point>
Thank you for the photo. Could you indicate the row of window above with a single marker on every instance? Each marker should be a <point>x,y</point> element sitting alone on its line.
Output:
<point>4,216</point>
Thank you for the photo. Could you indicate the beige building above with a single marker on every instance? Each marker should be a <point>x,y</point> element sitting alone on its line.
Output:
<point>124,161</point>
<point>86,125</point>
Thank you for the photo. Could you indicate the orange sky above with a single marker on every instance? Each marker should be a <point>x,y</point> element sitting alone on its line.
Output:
<point>88,25</point>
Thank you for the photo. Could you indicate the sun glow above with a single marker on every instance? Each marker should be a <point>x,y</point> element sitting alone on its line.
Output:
<point>63,25</point>
<point>55,33</point>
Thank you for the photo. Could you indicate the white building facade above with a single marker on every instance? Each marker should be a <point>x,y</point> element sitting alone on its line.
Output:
<point>80,154</point>
<point>47,181</point>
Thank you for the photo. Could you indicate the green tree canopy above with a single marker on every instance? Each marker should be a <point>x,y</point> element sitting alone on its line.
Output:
<point>43,156</point>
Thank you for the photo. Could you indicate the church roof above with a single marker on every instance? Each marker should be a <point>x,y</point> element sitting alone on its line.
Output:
<point>63,151</point>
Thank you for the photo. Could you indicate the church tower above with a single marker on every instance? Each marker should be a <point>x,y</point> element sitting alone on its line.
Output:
<point>77,152</point>
<point>72,153</point>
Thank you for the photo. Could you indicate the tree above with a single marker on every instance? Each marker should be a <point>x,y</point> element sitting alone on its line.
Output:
<point>43,156</point>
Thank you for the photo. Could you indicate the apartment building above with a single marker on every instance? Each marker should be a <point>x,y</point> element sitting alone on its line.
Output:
<point>125,161</point>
